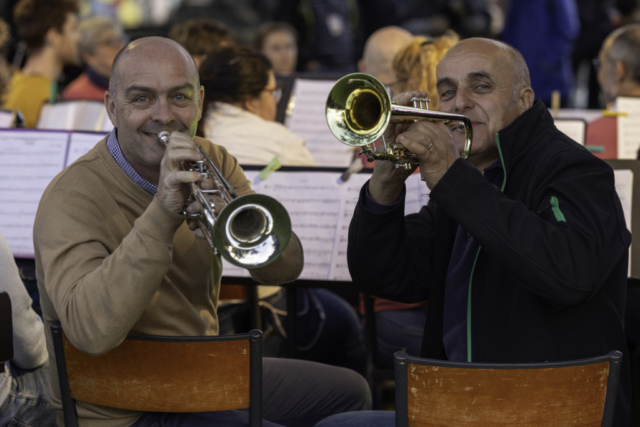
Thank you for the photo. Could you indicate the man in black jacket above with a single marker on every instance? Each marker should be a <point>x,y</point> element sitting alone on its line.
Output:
<point>522,251</point>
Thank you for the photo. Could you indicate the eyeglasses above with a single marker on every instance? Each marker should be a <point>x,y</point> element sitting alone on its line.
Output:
<point>276,93</point>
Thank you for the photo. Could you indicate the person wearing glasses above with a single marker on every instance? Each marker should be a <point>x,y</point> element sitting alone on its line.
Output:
<point>240,101</point>
<point>240,104</point>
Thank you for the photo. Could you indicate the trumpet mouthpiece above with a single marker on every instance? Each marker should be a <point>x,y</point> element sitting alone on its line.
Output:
<point>164,137</point>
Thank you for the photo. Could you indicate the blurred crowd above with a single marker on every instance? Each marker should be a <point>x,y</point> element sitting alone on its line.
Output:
<point>560,39</point>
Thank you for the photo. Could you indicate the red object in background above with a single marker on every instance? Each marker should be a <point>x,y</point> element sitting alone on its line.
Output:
<point>603,132</point>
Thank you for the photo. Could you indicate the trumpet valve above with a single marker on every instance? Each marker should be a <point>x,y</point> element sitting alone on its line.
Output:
<point>422,103</point>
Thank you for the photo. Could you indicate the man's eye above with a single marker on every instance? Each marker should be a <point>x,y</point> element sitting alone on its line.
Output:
<point>142,98</point>
<point>446,94</point>
<point>180,97</point>
<point>482,87</point>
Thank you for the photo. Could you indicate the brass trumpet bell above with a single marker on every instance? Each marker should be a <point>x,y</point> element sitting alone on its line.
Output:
<point>250,231</point>
<point>359,110</point>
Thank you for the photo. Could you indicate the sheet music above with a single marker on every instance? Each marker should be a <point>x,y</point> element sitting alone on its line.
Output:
<point>73,115</point>
<point>307,119</point>
<point>29,160</point>
<point>7,119</point>
<point>624,188</point>
<point>628,127</point>
<point>574,129</point>
<point>80,143</point>
<point>321,210</point>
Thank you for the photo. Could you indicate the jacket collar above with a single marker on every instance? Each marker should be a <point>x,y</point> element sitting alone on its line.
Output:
<point>516,139</point>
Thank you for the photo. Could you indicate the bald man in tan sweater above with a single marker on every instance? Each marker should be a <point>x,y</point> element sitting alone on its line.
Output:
<point>114,256</point>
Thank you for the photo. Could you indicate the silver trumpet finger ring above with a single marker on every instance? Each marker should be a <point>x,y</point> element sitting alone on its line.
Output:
<point>430,145</point>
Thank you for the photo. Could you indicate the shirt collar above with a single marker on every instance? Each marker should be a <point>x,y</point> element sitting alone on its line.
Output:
<point>114,148</point>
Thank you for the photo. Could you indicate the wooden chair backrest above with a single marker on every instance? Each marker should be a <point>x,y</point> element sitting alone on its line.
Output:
<point>479,397</point>
<point>163,376</point>
<point>6,330</point>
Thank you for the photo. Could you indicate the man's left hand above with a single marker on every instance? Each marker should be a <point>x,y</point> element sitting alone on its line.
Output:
<point>434,148</point>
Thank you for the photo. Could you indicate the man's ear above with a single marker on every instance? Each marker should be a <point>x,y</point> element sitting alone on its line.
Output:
<point>51,37</point>
<point>201,102</point>
<point>526,96</point>
<point>110,104</point>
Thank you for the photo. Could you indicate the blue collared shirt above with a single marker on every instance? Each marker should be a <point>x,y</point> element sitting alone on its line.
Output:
<point>114,148</point>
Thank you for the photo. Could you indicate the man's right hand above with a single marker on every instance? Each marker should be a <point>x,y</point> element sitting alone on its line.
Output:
<point>387,181</point>
<point>172,191</point>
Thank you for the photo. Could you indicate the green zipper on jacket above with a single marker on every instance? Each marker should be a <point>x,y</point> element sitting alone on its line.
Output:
<point>555,207</point>
<point>504,183</point>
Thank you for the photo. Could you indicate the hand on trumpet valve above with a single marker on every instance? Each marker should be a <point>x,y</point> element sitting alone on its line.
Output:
<point>404,99</point>
<point>194,207</point>
<point>174,180</point>
<point>434,148</point>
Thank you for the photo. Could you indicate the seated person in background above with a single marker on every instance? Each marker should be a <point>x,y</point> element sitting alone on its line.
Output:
<point>50,31</point>
<point>522,250</point>
<point>201,36</point>
<point>414,67</point>
<point>240,108</point>
<point>114,256</point>
<point>24,384</point>
<point>101,39</point>
<point>618,64</point>
<point>278,42</point>
<point>400,326</point>
<point>380,49</point>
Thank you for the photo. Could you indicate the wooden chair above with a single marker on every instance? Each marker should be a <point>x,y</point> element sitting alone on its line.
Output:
<point>164,374</point>
<point>442,393</point>
<point>6,330</point>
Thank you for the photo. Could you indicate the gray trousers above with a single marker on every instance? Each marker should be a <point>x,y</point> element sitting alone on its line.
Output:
<point>294,393</point>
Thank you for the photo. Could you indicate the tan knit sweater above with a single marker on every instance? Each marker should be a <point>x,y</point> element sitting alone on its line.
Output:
<point>111,259</point>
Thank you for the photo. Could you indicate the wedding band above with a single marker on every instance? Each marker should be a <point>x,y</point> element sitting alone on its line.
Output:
<point>430,145</point>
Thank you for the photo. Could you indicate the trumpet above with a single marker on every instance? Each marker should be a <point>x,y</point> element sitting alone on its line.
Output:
<point>250,231</point>
<point>359,110</point>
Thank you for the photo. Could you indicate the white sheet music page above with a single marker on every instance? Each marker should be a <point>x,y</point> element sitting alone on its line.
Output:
<point>80,143</point>
<point>29,160</point>
<point>313,203</point>
<point>417,194</point>
<point>73,115</point>
<point>624,188</point>
<point>349,194</point>
<point>628,127</point>
<point>307,119</point>
<point>574,129</point>
<point>7,118</point>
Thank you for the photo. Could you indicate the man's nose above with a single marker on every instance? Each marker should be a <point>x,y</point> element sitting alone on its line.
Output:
<point>162,111</point>
<point>463,101</point>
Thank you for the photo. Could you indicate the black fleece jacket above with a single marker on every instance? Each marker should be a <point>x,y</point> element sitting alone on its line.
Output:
<point>549,281</point>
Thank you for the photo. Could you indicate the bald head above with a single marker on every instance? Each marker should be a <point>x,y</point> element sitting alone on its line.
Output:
<point>151,48</point>
<point>379,51</point>
<point>507,56</point>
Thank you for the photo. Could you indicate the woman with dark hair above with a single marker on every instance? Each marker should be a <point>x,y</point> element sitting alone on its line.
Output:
<point>240,100</point>
<point>239,108</point>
